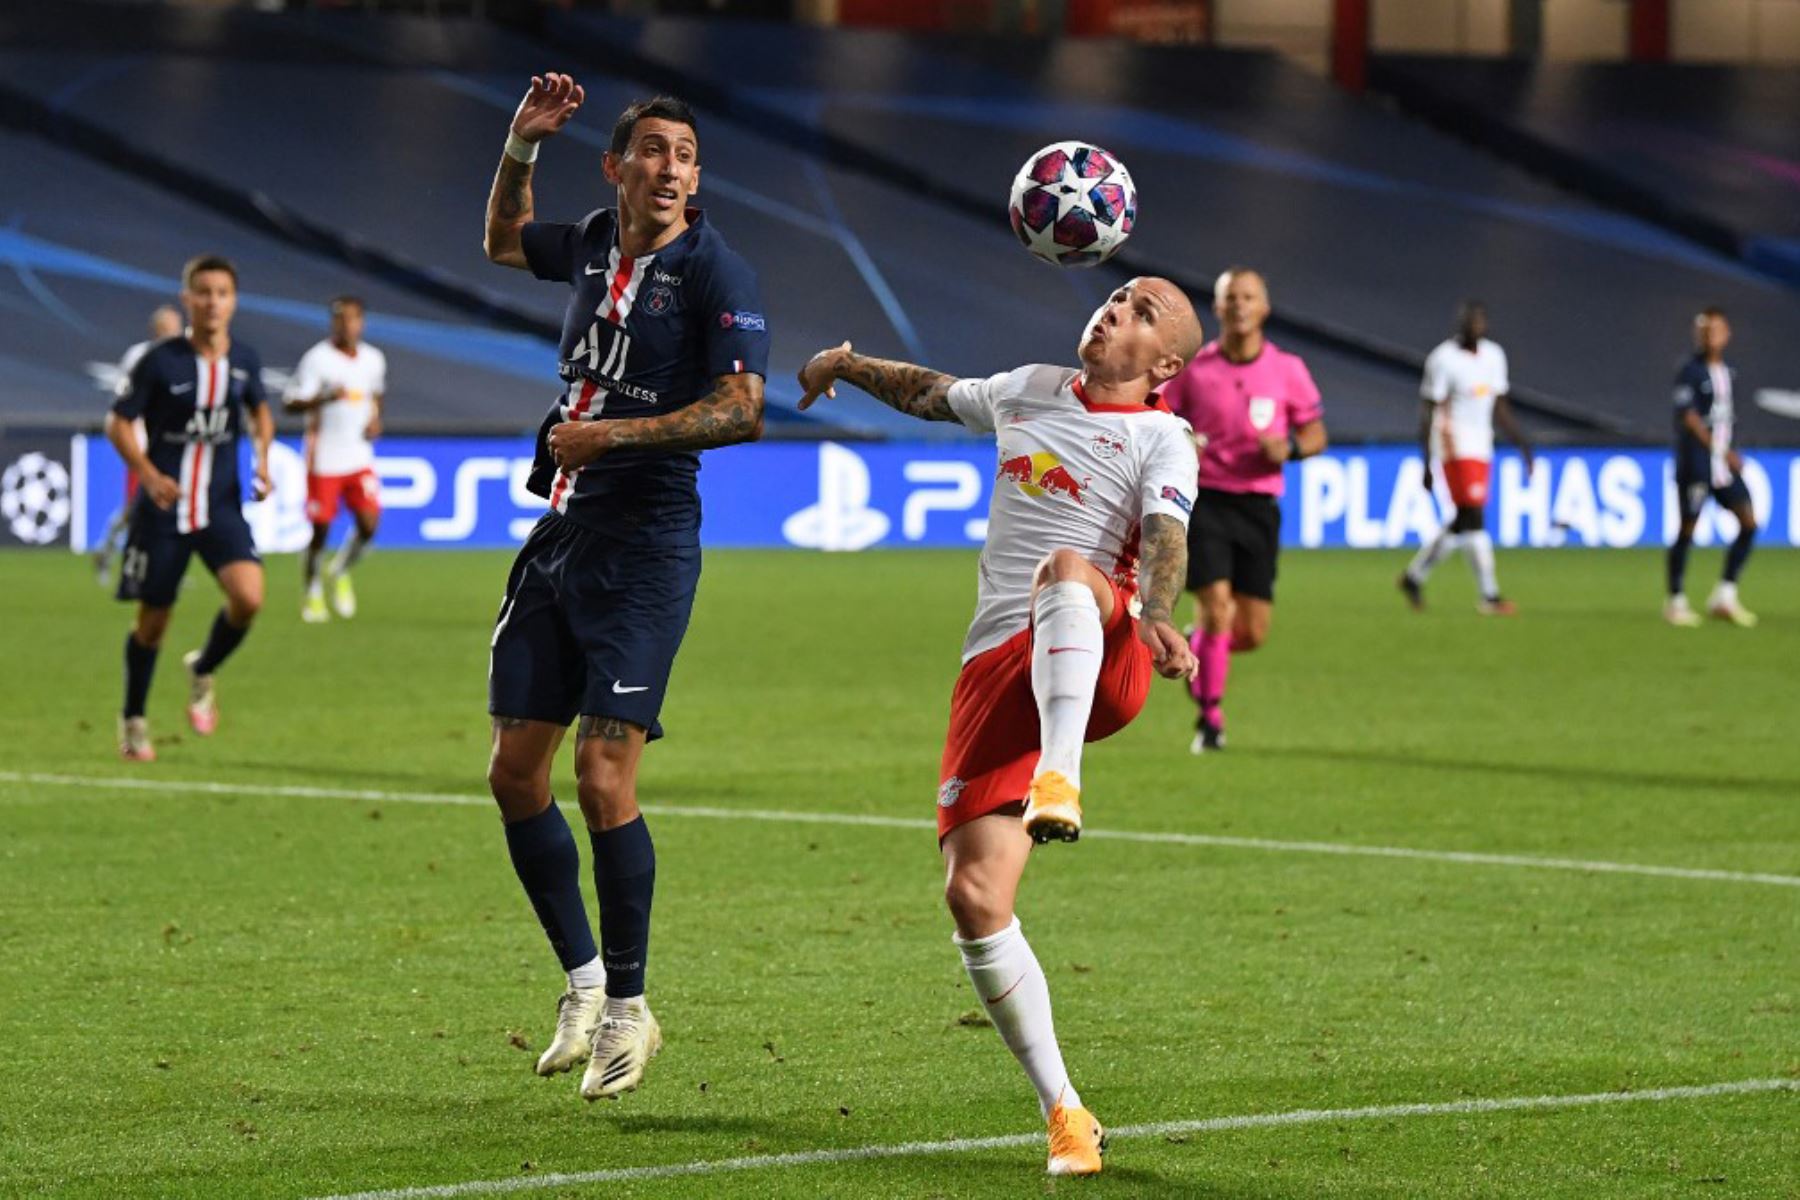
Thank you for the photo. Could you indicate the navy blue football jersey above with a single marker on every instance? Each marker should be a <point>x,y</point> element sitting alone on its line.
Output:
<point>193,414</point>
<point>641,337</point>
<point>1708,393</point>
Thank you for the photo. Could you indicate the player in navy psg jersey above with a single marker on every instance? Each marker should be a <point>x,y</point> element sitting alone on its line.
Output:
<point>1708,467</point>
<point>663,352</point>
<point>194,394</point>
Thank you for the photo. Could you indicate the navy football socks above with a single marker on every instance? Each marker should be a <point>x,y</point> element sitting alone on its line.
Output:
<point>140,664</point>
<point>223,639</point>
<point>625,876</point>
<point>548,864</point>
<point>1739,552</point>
<point>1678,555</point>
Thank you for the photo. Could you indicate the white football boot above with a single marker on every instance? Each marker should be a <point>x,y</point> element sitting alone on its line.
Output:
<point>1677,613</point>
<point>577,1012</point>
<point>203,701</point>
<point>134,740</point>
<point>625,1041</point>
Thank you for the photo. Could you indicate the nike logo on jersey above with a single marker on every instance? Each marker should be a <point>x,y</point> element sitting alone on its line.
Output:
<point>1068,649</point>
<point>180,389</point>
<point>591,269</point>
<point>620,689</point>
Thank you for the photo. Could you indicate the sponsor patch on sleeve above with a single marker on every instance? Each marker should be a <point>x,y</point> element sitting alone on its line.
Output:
<point>743,320</point>
<point>1174,494</point>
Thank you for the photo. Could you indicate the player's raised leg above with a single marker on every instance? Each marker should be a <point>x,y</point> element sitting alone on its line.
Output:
<point>607,753</point>
<point>242,583</point>
<point>1071,603</point>
<point>548,863</point>
<point>984,859</point>
<point>141,646</point>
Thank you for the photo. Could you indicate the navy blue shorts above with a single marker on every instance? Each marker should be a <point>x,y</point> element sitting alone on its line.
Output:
<point>589,627</point>
<point>1691,494</point>
<point>156,556</point>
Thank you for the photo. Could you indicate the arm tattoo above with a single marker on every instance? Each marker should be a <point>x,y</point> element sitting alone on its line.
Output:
<point>1162,565</point>
<point>916,391</point>
<point>509,203</point>
<point>607,729</point>
<point>732,413</point>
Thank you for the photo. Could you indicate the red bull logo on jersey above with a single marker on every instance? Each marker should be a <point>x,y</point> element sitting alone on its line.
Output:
<point>1043,474</point>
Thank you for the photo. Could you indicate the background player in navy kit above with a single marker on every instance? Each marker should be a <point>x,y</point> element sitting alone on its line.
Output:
<point>191,394</point>
<point>663,353</point>
<point>1706,465</point>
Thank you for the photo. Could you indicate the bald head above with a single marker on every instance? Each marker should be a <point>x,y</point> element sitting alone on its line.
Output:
<point>1178,323</point>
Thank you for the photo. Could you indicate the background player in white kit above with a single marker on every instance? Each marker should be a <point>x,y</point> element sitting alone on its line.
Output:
<point>339,384</point>
<point>1095,484</point>
<point>1464,390</point>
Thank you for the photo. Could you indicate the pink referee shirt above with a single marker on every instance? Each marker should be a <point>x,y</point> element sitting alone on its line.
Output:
<point>1233,404</point>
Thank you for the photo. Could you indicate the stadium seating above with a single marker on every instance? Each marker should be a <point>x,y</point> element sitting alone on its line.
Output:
<point>1690,146</point>
<point>864,174</point>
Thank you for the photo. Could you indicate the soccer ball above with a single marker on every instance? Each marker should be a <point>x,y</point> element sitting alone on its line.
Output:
<point>1073,204</point>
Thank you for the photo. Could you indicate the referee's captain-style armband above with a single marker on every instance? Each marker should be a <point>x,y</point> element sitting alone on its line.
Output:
<point>520,150</point>
<point>1294,446</point>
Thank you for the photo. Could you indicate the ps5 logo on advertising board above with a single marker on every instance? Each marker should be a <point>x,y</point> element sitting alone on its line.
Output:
<point>843,517</point>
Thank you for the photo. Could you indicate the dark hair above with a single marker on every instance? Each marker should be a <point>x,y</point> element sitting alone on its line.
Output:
<point>666,108</point>
<point>348,301</point>
<point>200,264</point>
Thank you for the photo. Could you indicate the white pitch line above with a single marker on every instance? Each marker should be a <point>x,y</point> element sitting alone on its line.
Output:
<point>794,817</point>
<point>1305,1116</point>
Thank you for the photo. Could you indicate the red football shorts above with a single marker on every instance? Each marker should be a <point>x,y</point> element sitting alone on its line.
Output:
<point>360,491</point>
<point>1468,480</point>
<point>992,745</point>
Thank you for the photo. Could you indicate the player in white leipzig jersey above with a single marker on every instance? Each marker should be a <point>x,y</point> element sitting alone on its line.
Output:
<point>1089,516</point>
<point>339,385</point>
<point>1464,390</point>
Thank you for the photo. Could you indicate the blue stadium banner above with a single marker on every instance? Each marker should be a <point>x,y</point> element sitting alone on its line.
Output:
<point>470,492</point>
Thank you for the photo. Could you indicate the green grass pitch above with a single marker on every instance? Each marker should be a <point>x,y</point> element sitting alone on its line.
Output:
<point>237,993</point>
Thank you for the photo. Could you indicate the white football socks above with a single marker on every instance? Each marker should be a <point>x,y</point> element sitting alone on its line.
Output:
<point>1481,561</point>
<point>590,974</point>
<point>1066,652</point>
<point>350,553</point>
<point>1016,997</point>
<point>1432,553</point>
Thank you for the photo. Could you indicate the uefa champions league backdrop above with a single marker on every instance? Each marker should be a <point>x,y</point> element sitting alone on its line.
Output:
<point>470,492</point>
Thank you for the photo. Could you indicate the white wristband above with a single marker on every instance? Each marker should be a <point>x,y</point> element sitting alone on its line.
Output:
<point>520,150</point>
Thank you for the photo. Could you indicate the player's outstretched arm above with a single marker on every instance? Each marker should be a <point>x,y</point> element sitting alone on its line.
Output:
<point>1162,569</point>
<point>545,109</point>
<point>916,391</point>
<point>731,413</point>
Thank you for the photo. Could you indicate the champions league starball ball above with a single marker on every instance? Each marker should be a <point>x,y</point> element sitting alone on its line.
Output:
<point>1073,204</point>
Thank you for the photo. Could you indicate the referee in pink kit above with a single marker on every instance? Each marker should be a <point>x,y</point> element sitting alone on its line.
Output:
<point>1254,407</point>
